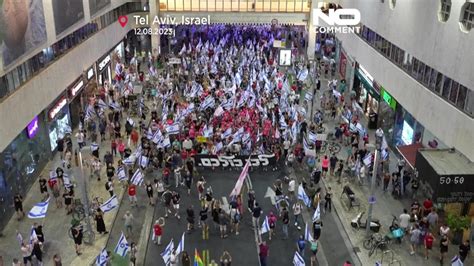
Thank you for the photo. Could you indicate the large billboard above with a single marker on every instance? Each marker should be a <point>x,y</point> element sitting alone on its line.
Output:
<point>66,14</point>
<point>22,29</point>
<point>96,5</point>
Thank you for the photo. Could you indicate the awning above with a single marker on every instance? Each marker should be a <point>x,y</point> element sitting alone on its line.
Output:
<point>409,153</point>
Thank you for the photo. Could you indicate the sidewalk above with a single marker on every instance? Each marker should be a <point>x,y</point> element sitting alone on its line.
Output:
<point>386,206</point>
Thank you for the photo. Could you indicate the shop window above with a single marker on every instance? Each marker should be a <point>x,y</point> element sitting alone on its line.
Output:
<point>379,42</point>
<point>462,94</point>
<point>469,107</point>
<point>444,10</point>
<point>427,75</point>
<point>3,87</point>
<point>454,92</point>
<point>401,55</point>
<point>446,87</point>
<point>421,71</point>
<point>439,82</point>
<point>407,61</point>
<point>371,37</point>
<point>467,16</point>
<point>432,83</point>
<point>414,71</point>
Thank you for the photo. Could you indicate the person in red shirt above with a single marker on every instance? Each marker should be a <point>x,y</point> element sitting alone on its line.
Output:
<point>428,241</point>
<point>134,137</point>
<point>132,194</point>
<point>427,206</point>
<point>263,252</point>
<point>157,231</point>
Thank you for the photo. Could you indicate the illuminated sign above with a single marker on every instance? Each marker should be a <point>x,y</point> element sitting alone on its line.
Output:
<point>104,63</point>
<point>57,108</point>
<point>90,73</point>
<point>74,90</point>
<point>32,128</point>
<point>388,99</point>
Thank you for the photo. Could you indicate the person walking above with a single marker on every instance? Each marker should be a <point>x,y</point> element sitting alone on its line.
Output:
<point>77,236</point>
<point>332,164</point>
<point>158,231</point>
<point>175,198</point>
<point>99,220</point>
<point>428,242</point>
<point>256,213</point>
<point>149,193</point>
<point>404,220</point>
<point>132,194</point>
<point>26,252</point>
<point>328,200</point>
<point>236,217</point>
<point>43,188</point>
<point>18,203</point>
<point>128,223</point>
<point>443,248</point>
<point>464,250</point>
<point>57,260</point>
<point>37,251</point>
<point>109,186</point>
<point>185,259</point>
<point>314,251</point>
<point>272,219</point>
<point>317,227</point>
<point>133,253</point>
<point>223,221</point>
<point>300,245</point>
<point>415,235</point>
<point>263,252</point>
<point>297,209</point>
<point>190,218</point>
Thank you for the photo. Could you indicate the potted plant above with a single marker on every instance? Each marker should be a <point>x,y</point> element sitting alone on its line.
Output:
<point>457,224</point>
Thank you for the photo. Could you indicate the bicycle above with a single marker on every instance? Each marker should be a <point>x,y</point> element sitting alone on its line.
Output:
<point>374,242</point>
<point>331,147</point>
<point>87,236</point>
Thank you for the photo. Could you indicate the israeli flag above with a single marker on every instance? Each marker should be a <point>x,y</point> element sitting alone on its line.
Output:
<point>149,134</point>
<point>122,246</point>
<point>121,173</point>
<point>317,214</point>
<point>367,159</point>
<point>157,137</point>
<point>303,74</point>
<point>227,133</point>
<point>114,105</point>
<point>94,146</point>
<point>137,178</point>
<point>101,260</point>
<point>456,261</point>
<point>165,143</point>
<point>33,235</point>
<point>265,226</point>
<point>218,147</point>
<point>39,210</point>
<point>89,113</point>
<point>377,263</point>
<point>307,234</point>
<point>308,96</point>
<point>144,161</point>
<point>302,196</point>
<point>166,254</point>
<point>172,129</point>
<point>110,204</point>
<point>208,131</point>
<point>180,247</point>
<point>130,121</point>
<point>298,260</point>
<point>312,137</point>
<point>102,104</point>
<point>130,160</point>
<point>209,102</point>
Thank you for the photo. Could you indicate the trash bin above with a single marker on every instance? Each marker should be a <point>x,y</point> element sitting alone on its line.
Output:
<point>372,121</point>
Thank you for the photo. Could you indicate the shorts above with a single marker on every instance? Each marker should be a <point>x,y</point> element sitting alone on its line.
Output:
<point>325,169</point>
<point>43,190</point>
<point>18,207</point>
<point>133,198</point>
<point>176,206</point>
<point>26,259</point>
<point>429,247</point>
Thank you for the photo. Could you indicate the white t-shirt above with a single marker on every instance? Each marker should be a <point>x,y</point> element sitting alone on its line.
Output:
<point>404,220</point>
<point>286,144</point>
<point>80,137</point>
<point>291,185</point>
<point>187,144</point>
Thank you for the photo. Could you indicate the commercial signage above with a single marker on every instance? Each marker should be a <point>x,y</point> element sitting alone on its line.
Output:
<point>104,63</point>
<point>366,75</point>
<point>74,90</point>
<point>57,108</point>
<point>234,161</point>
<point>388,98</point>
<point>32,128</point>
<point>342,65</point>
<point>90,73</point>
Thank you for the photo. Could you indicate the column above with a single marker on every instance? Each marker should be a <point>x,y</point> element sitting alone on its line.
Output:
<point>311,32</point>
<point>155,39</point>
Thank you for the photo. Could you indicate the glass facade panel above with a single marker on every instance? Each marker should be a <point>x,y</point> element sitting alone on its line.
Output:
<point>462,94</point>
<point>469,107</point>
<point>446,87</point>
<point>454,91</point>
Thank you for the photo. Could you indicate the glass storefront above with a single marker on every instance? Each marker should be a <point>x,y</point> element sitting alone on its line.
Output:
<point>59,124</point>
<point>366,90</point>
<point>236,5</point>
<point>20,164</point>
<point>406,129</point>
<point>76,101</point>
<point>104,72</point>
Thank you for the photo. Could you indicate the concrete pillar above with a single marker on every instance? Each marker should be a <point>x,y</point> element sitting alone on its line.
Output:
<point>155,38</point>
<point>311,32</point>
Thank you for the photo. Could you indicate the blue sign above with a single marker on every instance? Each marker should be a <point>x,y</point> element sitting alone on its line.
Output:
<point>372,200</point>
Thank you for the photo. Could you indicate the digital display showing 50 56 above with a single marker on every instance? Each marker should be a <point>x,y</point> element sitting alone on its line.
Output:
<point>447,180</point>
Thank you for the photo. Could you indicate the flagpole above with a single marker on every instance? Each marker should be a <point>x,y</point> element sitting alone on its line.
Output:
<point>85,199</point>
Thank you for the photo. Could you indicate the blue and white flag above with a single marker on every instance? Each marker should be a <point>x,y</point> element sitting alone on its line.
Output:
<point>166,254</point>
<point>308,96</point>
<point>303,74</point>
<point>101,260</point>
<point>149,133</point>
<point>307,234</point>
<point>226,133</point>
<point>89,113</point>
<point>384,155</point>
<point>265,226</point>
<point>33,236</point>
<point>94,146</point>
<point>378,263</point>
<point>110,204</point>
<point>209,102</point>
<point>317,214</point>
<point>367,159</point>
<point>121,173</point>
<point>165,143</point>
<point>208,131</point>
<point>122,246</point>
<point>312,137</point>
<point>456,261</point>
<point>137,178</point>
<point>298,260</point>
<point>144,161</point>
<point>102,104</point>
<point>302,196</point>
<point>114,105</point>
<point>172,129</point>
<point>130,160</point>
<point>39,210</point>
<point>219,147</point>
<point>157,137</point>
<point>180,247</point>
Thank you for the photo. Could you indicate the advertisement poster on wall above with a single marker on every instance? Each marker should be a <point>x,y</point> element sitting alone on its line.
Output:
<point>66,14</point>
<point>22,29</point>
<point>342,65</point>
<point>96,5</point>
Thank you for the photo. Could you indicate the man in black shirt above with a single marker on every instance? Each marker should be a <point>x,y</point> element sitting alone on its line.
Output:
<point>464,250</point>
<point>256,212</point>
<point>43,188</point>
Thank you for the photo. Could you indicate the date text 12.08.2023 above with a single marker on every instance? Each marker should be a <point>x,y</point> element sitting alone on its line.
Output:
<point>155,31</point>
